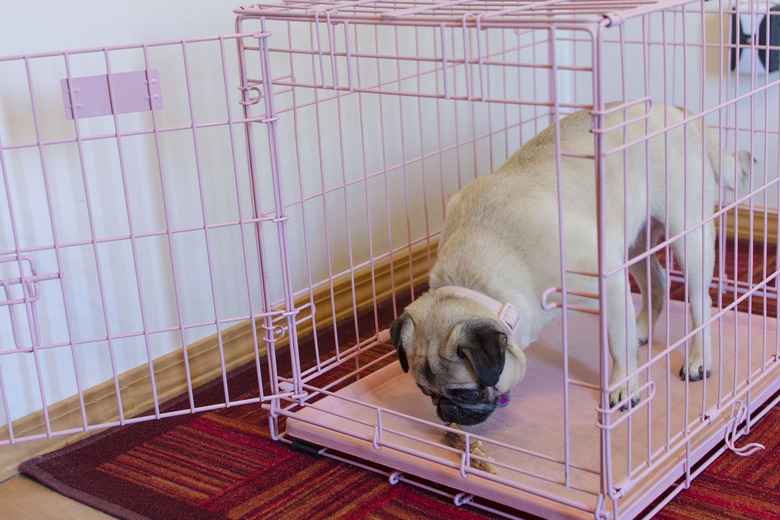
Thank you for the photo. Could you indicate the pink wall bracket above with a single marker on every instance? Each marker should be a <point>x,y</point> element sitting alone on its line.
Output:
<point>129,91</point>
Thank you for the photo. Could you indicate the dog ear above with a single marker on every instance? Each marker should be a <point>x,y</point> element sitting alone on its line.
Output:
<point>395,336</point>
<point>485,347</point>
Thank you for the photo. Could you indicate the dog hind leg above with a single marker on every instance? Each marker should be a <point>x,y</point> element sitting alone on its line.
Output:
<point>697,266</point>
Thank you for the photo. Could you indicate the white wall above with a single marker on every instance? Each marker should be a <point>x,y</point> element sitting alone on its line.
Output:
<point>409,125</point>
<point>46,25</point>
<point>43,26</point>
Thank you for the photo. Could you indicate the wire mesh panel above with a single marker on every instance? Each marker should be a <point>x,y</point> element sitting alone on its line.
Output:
<point>383,111</point>
<point>132,255</point>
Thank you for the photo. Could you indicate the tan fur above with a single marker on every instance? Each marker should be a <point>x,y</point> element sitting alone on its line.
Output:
<point>500,237</point>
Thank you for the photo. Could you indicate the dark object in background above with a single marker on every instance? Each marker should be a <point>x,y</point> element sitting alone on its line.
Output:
<point>758,32</point>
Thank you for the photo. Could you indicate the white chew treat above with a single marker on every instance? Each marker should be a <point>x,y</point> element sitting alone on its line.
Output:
<point>475,448</point>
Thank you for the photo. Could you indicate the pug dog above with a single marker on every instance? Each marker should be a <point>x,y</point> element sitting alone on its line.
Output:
<point>499,254</point>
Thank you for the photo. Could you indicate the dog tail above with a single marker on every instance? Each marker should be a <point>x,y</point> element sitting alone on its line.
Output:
<point>733,171</point>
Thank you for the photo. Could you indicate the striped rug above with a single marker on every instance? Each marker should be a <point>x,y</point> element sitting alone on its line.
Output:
<point>223,464</point>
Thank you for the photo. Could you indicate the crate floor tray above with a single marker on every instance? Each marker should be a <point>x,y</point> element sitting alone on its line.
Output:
<point>385,419</point>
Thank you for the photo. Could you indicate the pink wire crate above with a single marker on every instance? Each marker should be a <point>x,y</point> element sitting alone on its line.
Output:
<point>170,211</point>
<point>423,97</point>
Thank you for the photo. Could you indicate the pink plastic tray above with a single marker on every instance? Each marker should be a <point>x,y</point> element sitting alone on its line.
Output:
<point>385,419</point>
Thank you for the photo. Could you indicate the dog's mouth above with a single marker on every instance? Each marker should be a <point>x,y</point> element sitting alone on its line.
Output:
<point>465,406</point>
<point>467,414</point>
<point>449,412</point>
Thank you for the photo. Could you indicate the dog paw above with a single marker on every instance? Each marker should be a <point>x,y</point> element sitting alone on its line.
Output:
<point>694,372</point>
<point>642,334</point>
<point>622,394</point>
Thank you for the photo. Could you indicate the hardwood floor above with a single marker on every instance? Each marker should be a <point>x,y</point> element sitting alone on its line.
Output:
<point>22,498</point>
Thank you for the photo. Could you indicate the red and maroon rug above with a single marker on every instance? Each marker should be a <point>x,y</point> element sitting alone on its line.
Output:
<point>223,464</point>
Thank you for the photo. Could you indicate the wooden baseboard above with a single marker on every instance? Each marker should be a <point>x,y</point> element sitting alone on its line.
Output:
<point>763,229</point>
<point>101,405</point>
<point>333,300</point>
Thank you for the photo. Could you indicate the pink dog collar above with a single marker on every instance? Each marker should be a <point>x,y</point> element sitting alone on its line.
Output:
<point>505,312</point>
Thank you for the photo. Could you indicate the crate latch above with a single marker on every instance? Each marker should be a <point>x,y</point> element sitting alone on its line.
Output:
<point>732,433</point>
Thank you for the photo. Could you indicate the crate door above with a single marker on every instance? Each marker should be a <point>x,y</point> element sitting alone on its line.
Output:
<point>133,254</point>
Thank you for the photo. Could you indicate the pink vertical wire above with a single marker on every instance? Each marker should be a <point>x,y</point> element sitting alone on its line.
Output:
<point>735,243</point>
<point>481,60</point>
<point>484,88</point>
<point>332,49</point>
<point>467,57</point>
<point>281,222</point>
<point>241,218</point>
<point>304,227</point>
<point>777,258</point>
<point>131,229</point>
<point>765,162</point>
<point>705,212</point>
<point>366,191</point>
<point>647,59</point>
<point>667,248</point>
<point>684,238</point>
<point>257,224</point>
<point>439,102</point>
<point>58,254</point>
<point>404,164</point>
<point>751,212</point>
<point>598,105</point>
<point>344,185</point>
<point>422,146</point>
<point>504,93</point>
<point>625,253</point>
<point>553,58</point>
<point>444,61</point>
<point>319,49</point>
<point>468,71</point>
<point>751,204</point>
<point>388,216</point>
<point>205,217</point>
<point>169,234</point>
<point>323,193</point>
<point>95,243</point>
<point>722,218</point>
<point>15,234</point>
<point>455,106</point>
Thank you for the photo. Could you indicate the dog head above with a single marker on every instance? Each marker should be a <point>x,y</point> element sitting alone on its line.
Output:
<point>459,355</point>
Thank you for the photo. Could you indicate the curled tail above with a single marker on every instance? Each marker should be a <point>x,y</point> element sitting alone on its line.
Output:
<point>734,172</point>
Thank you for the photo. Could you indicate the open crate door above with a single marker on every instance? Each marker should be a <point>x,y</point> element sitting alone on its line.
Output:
<point>139,240</point>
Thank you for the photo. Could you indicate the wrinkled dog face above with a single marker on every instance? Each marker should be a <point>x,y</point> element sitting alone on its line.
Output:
<point>459,356</point>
